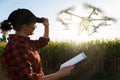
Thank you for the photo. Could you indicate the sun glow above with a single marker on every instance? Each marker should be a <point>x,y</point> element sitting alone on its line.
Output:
<point>70,35</point>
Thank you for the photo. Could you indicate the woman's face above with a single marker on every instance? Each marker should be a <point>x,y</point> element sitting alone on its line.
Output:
<point>30,28</point>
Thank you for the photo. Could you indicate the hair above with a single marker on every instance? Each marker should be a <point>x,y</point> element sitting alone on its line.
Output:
<point>5,25</point>
<point>16,19</point>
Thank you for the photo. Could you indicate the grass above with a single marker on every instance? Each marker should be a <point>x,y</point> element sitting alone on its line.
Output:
<point>102,63</point>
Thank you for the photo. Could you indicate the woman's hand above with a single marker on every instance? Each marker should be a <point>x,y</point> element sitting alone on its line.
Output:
<point>46,22</point>
<point>65,70</point>
<point>46,30</point>
<point>59,74</point>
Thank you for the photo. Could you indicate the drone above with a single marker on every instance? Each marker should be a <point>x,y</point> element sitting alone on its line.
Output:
<point>88,23</point>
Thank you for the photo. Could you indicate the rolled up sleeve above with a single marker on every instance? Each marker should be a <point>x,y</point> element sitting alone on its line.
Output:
<point>42,42</point>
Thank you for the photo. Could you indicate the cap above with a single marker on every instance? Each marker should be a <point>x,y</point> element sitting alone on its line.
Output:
<point>39,20</point>
<point>24,15</point>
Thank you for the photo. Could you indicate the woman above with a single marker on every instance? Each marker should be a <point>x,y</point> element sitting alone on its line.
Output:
<point>21,58</point>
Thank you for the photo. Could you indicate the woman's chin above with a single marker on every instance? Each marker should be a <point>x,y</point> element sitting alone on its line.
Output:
<point>31,34</point>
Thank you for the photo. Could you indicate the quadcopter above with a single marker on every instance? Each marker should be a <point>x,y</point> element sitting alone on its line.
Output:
<point>89,23</point>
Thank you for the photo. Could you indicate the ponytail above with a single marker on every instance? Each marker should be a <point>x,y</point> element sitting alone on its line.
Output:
<point>5,25</point>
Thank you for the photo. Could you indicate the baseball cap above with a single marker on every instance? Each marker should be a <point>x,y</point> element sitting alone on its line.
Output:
<point>24,15</point>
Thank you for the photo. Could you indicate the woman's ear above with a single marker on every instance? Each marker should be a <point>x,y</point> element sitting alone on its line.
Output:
<point>24,27</point>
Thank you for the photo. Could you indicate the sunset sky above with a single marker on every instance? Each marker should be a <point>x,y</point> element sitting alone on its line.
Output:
<point>50,8</point>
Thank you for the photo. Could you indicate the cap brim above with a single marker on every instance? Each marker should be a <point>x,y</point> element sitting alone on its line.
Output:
<point>39,20</point>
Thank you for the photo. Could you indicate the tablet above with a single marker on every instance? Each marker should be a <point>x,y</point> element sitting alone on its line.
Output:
<point>81,56</point>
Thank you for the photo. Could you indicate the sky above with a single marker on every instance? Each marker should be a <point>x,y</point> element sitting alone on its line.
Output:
<point>50,9</point>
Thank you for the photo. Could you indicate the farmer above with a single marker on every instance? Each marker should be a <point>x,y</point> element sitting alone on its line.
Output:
<point>21,58</point>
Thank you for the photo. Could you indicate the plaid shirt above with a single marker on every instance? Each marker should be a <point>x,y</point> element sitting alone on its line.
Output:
<point>21,58</point>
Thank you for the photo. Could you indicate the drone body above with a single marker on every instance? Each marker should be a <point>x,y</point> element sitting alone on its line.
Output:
<point>86,23</point>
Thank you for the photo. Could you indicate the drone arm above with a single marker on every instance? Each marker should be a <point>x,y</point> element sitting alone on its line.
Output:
<point>67,12</point>
<point>91,12</point>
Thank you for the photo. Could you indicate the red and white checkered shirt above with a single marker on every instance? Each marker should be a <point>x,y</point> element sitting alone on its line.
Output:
<point>21,58</point>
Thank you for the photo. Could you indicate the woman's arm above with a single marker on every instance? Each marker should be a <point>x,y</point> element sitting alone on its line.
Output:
<point>59,74</point>
<point>43,41</point>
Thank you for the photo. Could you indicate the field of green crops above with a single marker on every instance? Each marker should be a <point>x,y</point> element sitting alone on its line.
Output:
<point>102,62</point>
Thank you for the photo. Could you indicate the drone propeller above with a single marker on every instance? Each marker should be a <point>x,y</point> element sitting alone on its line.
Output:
<point>99,10</point>
<point>63,23</point>
<point>86,5</point>
<point>110,18</point>
<point>69,9</point>
<point>60,20</point>
<point>115,20</point>
<point>61,12</point>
